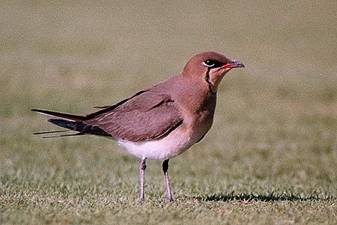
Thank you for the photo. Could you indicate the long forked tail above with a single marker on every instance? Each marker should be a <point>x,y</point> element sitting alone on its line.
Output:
<point>69,121</point>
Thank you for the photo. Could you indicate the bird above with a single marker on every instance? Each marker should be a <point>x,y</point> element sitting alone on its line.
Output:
<point>160,122</point>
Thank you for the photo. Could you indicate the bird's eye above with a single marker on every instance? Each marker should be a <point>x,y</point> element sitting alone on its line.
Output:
<point>211,63</point>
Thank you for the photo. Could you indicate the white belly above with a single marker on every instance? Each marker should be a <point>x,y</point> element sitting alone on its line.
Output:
<point>168,147</point>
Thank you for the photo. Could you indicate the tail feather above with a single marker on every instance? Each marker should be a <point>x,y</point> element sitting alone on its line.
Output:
<point>71,122</point>
<point>50,132</point>
<point>55,133</point>
<point>79,126</point>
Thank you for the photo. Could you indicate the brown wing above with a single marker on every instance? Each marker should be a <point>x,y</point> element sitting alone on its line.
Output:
<point>145,116</point>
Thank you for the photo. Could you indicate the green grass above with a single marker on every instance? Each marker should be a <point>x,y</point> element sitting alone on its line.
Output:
<point>270,158</point>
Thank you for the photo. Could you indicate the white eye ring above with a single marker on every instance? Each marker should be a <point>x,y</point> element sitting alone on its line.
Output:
<point>208,65</point>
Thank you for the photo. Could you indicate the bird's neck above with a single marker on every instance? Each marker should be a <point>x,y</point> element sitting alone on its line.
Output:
<point>195,95</point>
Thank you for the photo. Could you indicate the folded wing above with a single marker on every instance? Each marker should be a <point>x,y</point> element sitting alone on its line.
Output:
<point>146,116</point>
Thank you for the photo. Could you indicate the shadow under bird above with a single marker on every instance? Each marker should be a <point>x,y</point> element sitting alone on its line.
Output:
<point>160,122</point>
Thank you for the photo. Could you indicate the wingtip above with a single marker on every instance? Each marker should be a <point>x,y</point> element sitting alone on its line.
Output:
<point>42,112</point>
<point>37,110</point>
<point>58,114</point>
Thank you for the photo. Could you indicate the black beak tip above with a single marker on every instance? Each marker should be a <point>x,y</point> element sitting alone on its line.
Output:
<point>238,64</point>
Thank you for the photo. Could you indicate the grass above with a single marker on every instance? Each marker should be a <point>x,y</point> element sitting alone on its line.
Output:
<point>270,157</point>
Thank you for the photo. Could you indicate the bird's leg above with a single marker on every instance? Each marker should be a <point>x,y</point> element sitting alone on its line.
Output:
<point>142,167</point>
<point>168,193</point>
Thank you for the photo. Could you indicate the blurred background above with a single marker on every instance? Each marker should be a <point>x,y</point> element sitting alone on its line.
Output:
<point>276,120</point>
<point>70,55</point>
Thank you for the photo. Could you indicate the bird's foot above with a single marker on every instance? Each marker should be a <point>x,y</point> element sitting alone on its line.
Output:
<point>169,197</point>
<point>141,201</point>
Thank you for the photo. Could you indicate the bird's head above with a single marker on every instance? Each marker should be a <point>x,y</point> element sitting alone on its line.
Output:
<point>211,67</point>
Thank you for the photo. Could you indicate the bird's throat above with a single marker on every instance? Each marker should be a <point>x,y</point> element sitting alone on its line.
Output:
<point>211,87</point>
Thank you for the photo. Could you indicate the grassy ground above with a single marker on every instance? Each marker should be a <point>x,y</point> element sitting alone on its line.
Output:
<point>270,158</point>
